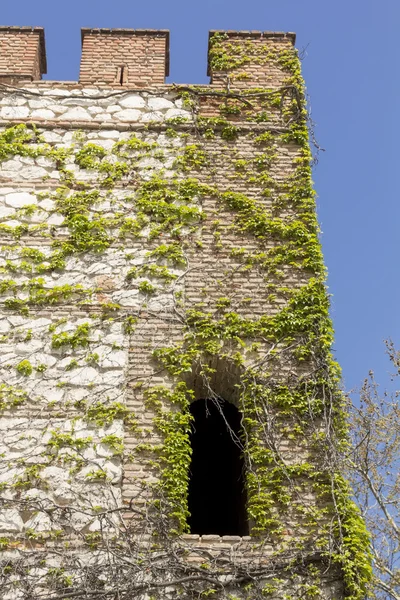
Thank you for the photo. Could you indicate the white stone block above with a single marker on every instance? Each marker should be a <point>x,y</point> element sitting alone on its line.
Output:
<point>92,92</point>
<point>42,321</point>
<point>113,471</point>
<point>55,475</point>
<point>76,102</point>
<point>6,212</point>
<point>94,525</point>
<point>132,101</point>
<point>34,173</point>
<point>161,303</point>
<point>39,103</point>
<point>10,475</point>
<point>104,451</point>
<point>100,118</point>
<point>55,219</point>
<point>127,298</point>
<point>159,103</point>
<point>69,279</point>
<point>109,134</point>
<point>11,223</point>
<point>39,522</point>
<point>19,199</point>
<point>77,394</point>
<point>169,163</point>
<point>36,494</point>
<point>64,362</point>
<point>58,109</point>
<point>43,359</point>
<point>163,141</point>
<point>18,101</point>
<point>17,320</point>
<point>152,116</point>
<point>44,161</point>
<point>11,521</point>
<point>114,338</point>
<point>19,444</point>
<point>79,520</point>
<point>68,137</point>
<point>42,113</point>
<point>26,160</point>
<point>64,495</point>
<point>116,359</point>
<point>149,162</point>
<point>14,112</point>
<point>56,92</point>
<point>96,110</point>
<point>47,389</point>
<point>83,376</point>
<point>114,428</point>
<point>6,357</point>
<point>128,114</point>
<point>116,328</point>
<point>4,327</point>
<point>107,145</point>
<point>29,347</point>
<point>99,268</point>
<point>47,204</point>
<point>172,113</point>
<point>77,114</point>
<point>25,172</point>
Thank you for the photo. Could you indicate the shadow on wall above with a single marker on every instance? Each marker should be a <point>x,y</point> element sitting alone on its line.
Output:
<point>217,491</point>
<point>217,498</point>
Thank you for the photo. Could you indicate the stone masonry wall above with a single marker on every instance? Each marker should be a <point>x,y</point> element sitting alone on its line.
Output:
<point>152,243</point>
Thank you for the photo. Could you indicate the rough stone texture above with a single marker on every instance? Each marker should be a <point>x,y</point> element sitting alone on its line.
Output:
<point>27,439</point>
<point>127,108</point>
<point>106,373</point>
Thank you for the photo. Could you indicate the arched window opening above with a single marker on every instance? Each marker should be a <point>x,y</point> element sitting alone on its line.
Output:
<point>217,497</point>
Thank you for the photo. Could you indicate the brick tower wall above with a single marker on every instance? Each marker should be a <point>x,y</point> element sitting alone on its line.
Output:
<point>160,246</point>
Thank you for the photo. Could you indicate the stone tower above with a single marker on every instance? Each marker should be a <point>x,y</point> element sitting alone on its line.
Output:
<point>171,419</point>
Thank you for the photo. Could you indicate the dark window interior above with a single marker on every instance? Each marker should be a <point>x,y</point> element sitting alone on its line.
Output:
<point>217,499</point>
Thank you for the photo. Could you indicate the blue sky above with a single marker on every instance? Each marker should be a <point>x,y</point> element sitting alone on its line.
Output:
<point>352,71</point>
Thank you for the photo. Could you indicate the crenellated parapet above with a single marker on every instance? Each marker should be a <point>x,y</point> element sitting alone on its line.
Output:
<point>126,57</point>
<point>140,57</point>
<point>22,54</point>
